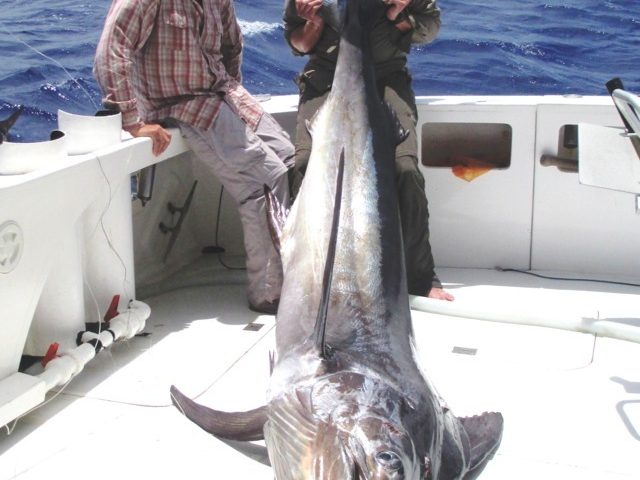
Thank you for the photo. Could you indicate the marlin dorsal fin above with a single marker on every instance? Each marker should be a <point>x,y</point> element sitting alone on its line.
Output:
<point>321,319</point>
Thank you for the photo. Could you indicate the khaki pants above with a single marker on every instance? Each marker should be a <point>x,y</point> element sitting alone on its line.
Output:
<point>244,161</point>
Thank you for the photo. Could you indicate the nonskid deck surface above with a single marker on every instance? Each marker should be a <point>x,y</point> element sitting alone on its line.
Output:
<point>571,401</point>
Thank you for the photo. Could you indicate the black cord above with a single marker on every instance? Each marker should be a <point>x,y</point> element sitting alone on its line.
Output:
<point>594,280</point>
<point>218,215</point>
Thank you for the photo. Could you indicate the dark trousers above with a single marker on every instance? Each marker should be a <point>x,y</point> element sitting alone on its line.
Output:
<point>414,209</point>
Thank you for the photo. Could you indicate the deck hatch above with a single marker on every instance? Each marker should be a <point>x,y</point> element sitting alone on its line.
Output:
<point>464,350</point>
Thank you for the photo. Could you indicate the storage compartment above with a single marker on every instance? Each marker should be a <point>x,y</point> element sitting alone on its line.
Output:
<point>466,144</point>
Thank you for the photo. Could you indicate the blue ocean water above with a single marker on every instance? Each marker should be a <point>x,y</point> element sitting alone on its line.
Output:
<point>495,47</point>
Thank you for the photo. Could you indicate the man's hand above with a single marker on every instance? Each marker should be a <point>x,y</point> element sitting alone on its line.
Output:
<point>305,37</point>
<point>160,138</point>
<point>308,9</point>
<point>395,7</point>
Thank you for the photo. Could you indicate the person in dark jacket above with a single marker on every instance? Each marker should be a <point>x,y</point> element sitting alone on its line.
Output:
<point>405,22</point>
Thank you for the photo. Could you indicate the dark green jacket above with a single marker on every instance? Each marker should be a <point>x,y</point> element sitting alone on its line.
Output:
<point>390,46</point>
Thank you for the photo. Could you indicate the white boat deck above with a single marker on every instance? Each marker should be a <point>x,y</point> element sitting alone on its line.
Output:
<point>571,401</point>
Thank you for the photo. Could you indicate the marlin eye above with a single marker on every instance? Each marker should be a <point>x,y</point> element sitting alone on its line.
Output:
<point>389,460</point>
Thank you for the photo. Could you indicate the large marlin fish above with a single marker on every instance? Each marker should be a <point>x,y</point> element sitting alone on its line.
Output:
<point>347,399</point>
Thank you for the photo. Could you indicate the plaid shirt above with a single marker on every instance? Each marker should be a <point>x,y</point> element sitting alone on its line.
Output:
<point>178,59</point>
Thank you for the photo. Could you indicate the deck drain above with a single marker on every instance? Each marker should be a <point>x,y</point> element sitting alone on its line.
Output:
<point>465,350</point>
<point>253,327</point>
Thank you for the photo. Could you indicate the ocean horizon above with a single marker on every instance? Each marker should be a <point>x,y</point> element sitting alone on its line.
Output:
<point>559,47</point>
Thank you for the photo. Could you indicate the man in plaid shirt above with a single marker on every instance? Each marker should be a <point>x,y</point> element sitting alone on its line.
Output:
<point>178,62</point>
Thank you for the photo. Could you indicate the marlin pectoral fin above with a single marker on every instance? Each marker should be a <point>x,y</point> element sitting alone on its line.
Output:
<point>307,126</point>
<point>309,123</point>
<point>400,132</point>
<point>241,426</point>
<point>7,123</point>
<point>484,432</point>
<point>276,216</point>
